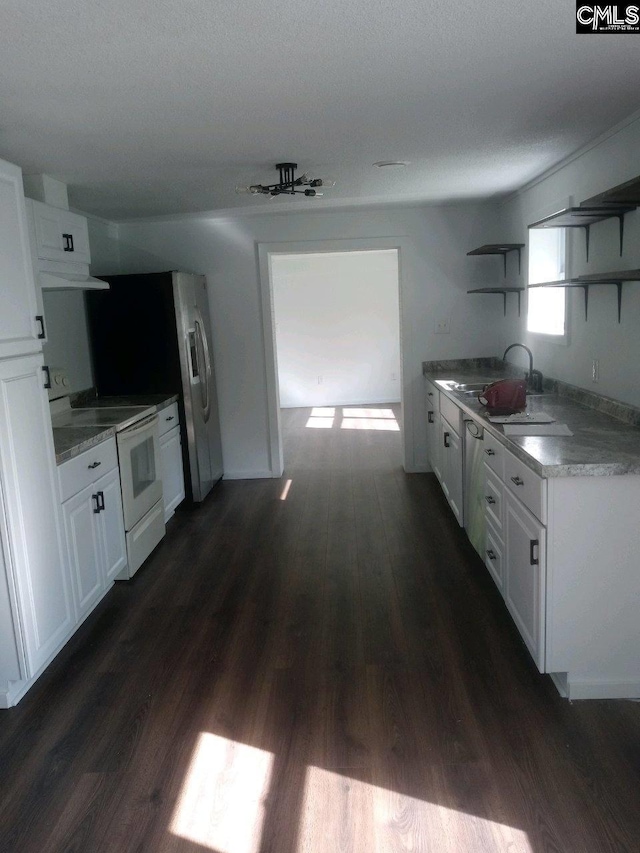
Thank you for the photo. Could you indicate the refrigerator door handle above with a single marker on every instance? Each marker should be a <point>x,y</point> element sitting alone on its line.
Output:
<point>205,381</point>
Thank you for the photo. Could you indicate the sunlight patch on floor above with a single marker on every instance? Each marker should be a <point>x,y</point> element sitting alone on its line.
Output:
<point>285,491</point>
<point>319,423</point>
<point>370,423</point>
<point>359,816</point>
<point>368,413</point>
<point>350,417</point>
<point>221,805</point>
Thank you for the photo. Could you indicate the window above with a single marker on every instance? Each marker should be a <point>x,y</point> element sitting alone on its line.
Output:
<point>547,307</point>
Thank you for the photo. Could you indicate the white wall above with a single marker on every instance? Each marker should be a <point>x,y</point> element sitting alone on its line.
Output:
<point>337,318</point>
<point>435,272</point>
<point>67,343</point>
<point>614,160</point>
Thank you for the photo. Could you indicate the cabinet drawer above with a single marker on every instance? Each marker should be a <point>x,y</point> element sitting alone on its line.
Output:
<point>432,396</point>
<point>169,418</point>
<point>494,499</point>
<point>530,488</point>
<point>78,473</point>
<point>60,234</point>
<point>494,556</point>
<point>451,412</point>
<point>494,454</point>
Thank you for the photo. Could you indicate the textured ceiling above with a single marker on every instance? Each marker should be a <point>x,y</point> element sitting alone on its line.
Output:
<point>154,107</point>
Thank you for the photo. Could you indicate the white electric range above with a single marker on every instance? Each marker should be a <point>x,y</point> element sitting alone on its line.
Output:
<point>137,440</point>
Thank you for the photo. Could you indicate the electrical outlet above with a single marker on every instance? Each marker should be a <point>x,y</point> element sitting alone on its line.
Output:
<point>443,326</point>
<point>319,380</point>
<point>595,370</point>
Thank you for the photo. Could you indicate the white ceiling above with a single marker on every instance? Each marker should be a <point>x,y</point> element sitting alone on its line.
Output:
<point>151,107</point>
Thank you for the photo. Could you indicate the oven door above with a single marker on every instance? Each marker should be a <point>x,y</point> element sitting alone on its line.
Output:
<point>140,473</point>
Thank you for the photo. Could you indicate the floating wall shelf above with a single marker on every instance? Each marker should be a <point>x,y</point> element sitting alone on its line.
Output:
<point>503,291</point>
<point>585,217</point>
<point>586,281</point>
<point>627,193</point>
<point>499,249</point>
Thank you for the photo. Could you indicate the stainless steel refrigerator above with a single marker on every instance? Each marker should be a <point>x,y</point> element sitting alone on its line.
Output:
<point>150,334</point>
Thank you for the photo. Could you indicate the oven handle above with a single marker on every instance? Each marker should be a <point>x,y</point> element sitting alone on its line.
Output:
<point>142,426</point>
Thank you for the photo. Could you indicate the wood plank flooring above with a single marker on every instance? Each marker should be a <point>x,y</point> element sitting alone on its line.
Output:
<point>314,666</point>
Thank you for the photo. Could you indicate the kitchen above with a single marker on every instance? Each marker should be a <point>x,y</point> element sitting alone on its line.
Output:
<point>437,272</point>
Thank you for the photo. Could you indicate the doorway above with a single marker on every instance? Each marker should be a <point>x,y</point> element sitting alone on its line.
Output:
<point>332,319</point>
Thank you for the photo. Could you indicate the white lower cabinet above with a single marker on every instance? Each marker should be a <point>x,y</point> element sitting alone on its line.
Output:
<point>35,595</point>
<point>83,550</point>
<point>110,523</point>
<point>171,460</point>
<point>433,428</point>
<point>451,467</point>
<point>94,527</point>
<point>525,575</point>
<point>494,555</point>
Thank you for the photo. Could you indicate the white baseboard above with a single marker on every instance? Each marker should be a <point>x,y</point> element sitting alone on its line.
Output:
<point>249,475</point>
<point>346,403</point>
<point>591,688</point>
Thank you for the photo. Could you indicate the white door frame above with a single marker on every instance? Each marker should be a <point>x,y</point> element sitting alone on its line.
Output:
<point>367,244</point>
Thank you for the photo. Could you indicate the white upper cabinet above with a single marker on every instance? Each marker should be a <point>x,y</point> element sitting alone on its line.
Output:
<point>18,327</point>
<point>60,235</point>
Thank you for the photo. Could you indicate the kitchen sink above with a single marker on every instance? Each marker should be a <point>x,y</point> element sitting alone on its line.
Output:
<point>470,387</point>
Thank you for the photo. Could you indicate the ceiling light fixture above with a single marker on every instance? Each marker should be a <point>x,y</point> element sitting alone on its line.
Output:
<point>289,184</point>
<point>385,164</point>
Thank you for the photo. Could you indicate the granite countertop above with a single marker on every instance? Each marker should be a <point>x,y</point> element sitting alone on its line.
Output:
<point>160,401</point>
<point>601,445</point>
<point>71,441</point>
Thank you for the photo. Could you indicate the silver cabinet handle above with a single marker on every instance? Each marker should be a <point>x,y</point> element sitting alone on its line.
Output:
<point>489,499</point>
<point>94,465</point>
<point>491,554</point>
<point>490,452</point>
<point>430,417</point>
<point>517,481</point>
<point>40,321</point>
<point>170,418</point>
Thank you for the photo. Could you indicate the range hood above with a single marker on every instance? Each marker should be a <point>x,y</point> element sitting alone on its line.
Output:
<point>70,281</point>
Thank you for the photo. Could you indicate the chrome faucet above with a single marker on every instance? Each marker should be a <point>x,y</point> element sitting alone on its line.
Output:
<point>533,377</point>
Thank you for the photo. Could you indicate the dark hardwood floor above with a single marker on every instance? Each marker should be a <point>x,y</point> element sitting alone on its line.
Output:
<point>310,665</point>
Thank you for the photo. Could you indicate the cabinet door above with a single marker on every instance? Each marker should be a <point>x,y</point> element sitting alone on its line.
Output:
<point>172,472</point>
<point>18,334</point>
<point>451,448</point>
<point>49,244</point>
<point>110,524</point>
<point>75,237</point>
<point>27,468</point>
<point>525,575</point>
<point>434,441</point>
<point>61,235</point>
<point>83,546</point>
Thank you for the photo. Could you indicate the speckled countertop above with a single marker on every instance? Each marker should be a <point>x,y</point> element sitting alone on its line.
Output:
<point>70,442</point>
<point>160,401</point>
<point>601,445</point>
